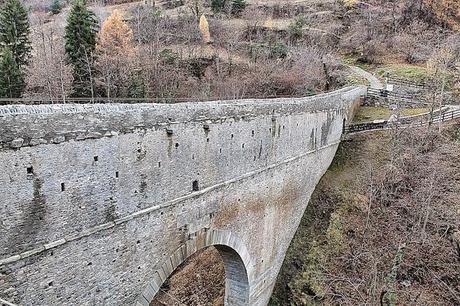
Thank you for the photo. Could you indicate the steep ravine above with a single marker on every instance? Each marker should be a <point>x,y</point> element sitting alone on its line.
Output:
<point>382,227</point>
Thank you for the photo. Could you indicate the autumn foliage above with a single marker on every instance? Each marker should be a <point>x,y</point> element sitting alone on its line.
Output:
<point>114,47</point>
<point>204,29</point>
<point>115,37</point>
<point>447,11</point>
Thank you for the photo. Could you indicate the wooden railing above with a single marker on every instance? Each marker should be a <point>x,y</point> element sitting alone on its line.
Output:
<point>404,82</point>
<point>386,124</point>
<point>396,98</point>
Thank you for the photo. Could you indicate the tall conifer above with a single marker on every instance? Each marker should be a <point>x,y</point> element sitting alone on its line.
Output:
<point>238,7</point>
<point>11,78</point>
<point>217,5</point>
<point>80,44</point>
<point>14,31</point>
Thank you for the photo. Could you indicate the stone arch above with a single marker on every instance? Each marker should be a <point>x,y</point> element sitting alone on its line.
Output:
<point>239,269</point>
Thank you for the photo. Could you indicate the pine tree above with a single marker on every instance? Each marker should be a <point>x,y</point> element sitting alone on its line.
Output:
<point>80,44</point>
<point>14,31</point>
<point>55,7</point>
<point>136,88</point>
<point>217,5</point>
<point>11,78</point>
<point>238,7</point>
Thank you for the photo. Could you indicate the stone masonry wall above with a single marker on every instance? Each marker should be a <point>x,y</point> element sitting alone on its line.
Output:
<point>93,198</point>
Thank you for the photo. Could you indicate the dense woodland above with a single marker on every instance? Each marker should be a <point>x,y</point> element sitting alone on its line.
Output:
<point>206,49</point>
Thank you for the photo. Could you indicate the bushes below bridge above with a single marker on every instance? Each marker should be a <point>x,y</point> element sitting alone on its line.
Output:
<point>381,227</point>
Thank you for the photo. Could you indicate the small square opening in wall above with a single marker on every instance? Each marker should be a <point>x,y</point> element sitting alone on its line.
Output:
<point>96,158</point>
<point>30,170</point>
<point>195,186</point>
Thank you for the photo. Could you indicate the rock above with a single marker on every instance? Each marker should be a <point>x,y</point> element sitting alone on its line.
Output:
<point>58,139</point>
<point>17,143</point>
<point>37,141</point>
<point>94,135</point>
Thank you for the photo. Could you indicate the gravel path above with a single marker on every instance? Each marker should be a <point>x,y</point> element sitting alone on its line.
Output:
<point>373,81</point>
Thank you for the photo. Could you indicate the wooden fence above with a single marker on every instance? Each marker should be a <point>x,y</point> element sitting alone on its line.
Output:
<point>385,124</point>
<point>403,82</point>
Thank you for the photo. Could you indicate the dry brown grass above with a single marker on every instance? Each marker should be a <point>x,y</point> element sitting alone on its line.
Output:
<point>199,281</point>
<point>398,190</point>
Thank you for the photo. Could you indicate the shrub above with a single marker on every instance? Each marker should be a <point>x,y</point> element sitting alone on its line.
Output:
<point>55,7</point>
<point>136,88</point>
<point>217,5</point>
<point>278,50</point>
<point>295,28</point>
<point>168,56</point>
<point>238,7</point>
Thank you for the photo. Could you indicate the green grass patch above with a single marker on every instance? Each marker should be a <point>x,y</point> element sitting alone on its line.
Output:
<point>408,72</point>
<point>371,113</point>
<point>414,111</point>
<point>334,233</point>
<point>352,60</point>
<point>355,80</point>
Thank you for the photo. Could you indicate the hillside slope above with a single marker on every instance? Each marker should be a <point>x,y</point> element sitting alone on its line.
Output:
<point>382,227</point>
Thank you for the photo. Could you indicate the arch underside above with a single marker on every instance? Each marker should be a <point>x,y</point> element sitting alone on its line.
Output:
<point>236,259</point>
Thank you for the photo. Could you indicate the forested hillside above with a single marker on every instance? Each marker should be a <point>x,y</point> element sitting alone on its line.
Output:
<point>219,48</point>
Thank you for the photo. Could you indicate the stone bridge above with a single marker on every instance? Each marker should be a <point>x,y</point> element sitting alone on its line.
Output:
<point>100,203</point>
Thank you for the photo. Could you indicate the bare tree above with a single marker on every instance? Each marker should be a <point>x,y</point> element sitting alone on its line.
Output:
<point>48,76</point>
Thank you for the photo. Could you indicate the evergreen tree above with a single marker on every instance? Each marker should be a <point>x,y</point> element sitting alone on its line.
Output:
<point>14,31</point>
<point>80,44</point>
<point>137,88</point>
<point>238,7</point>
<point>55,7</point>
<point>11,78</point>
<point>217,5</point>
